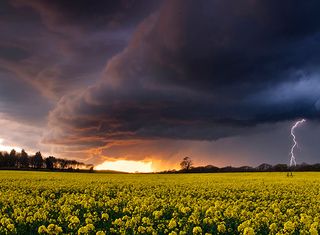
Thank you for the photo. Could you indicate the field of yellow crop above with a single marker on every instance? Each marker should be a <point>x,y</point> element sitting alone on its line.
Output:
<point>230,203</point>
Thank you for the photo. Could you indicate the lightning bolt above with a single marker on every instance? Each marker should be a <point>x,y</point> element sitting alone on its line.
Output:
<point>292,158</point>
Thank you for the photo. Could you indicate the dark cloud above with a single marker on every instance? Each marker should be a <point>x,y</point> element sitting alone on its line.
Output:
<point>198,70</point>
<point>60,46</point>
<point>88,15</point>
<point>12,53</point>
<point>21,102</point>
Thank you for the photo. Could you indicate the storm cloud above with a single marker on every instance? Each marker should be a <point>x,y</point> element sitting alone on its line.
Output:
<point>201,71</point>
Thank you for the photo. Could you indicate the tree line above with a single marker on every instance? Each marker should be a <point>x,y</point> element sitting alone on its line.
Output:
<point>22,160</point>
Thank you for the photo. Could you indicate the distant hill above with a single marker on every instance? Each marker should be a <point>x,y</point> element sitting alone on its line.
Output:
<point>261,168</point>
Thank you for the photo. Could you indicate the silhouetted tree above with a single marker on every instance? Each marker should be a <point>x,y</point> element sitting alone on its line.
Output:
<point>62,163</point>
<point>50,161</point>
<point>186,164</point>
<point>2,160</point>
<point>12,159</point>
<point>6,158</point>
<point>23,159</point>
<point>32,163</point>
<point>38,160</point>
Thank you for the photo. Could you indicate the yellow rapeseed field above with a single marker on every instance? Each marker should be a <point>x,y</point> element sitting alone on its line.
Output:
<point>230,203</point>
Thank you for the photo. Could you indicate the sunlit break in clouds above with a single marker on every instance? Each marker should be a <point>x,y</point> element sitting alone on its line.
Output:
<point>159,80</point>
<point>126,166</point>
<point>8,148</point>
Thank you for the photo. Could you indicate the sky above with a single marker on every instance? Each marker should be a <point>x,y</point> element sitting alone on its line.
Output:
<point>153,81</point>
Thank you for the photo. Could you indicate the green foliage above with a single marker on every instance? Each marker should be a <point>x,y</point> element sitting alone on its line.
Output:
<point>234,203</point>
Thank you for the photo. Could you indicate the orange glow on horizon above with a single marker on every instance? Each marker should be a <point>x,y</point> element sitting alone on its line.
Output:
<point>126,166</point>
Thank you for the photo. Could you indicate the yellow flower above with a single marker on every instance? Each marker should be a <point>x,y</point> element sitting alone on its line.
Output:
<point>248,231</point>
<point>221,228</point>
<point>172,224</point>
<point>197,230</point>
<point>100,233</point>
<point>289,226</point>
<point>313,231</point>
<point>42,229</point>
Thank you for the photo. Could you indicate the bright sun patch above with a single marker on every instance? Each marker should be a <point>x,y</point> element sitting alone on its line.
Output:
<point>7,148</point>
<point>126,166</point>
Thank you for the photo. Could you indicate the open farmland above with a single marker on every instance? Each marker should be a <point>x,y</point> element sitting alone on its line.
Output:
<point>230,203</point>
